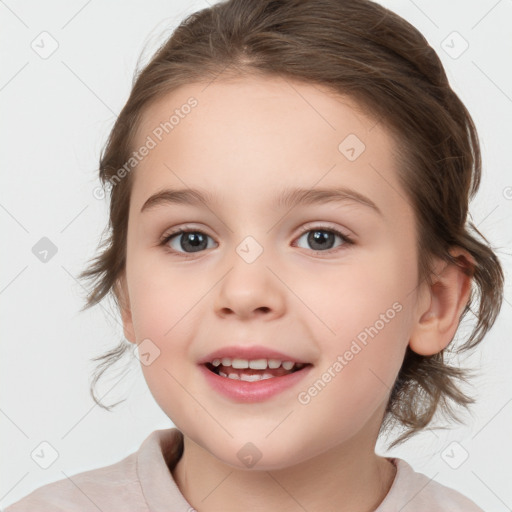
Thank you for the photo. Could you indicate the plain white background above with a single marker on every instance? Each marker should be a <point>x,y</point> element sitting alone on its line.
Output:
<point>56,114</point>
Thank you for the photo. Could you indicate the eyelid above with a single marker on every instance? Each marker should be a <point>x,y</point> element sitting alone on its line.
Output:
<point>180,229</point>
<point>327,227</point>
<point>304,228</point>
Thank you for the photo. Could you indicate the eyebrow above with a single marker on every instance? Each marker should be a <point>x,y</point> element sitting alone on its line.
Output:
<point>289,198</point>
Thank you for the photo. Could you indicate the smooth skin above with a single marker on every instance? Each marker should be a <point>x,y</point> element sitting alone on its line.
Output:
<point>246,141</point>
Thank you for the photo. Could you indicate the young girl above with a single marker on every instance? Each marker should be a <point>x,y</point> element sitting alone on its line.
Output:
<point>290,253</point>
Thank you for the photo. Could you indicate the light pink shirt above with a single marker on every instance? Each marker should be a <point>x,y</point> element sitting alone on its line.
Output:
<point>143,482</point>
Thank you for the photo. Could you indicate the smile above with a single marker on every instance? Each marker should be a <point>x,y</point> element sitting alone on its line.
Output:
<point>256,380</point>
<point>253,370</point>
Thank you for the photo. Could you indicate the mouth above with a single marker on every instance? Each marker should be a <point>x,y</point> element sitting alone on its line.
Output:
<point>255,379</point>
<point>253,370</point>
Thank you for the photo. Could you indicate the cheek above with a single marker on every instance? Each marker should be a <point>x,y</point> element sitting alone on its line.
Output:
<point>164,323</point>
<point>163,299</point>
<point>367,289</point>
<point>165,314</point>
<point>359,366</point>
<point>366,320</point>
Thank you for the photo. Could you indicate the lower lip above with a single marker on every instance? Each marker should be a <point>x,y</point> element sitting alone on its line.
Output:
<point>243,391</point>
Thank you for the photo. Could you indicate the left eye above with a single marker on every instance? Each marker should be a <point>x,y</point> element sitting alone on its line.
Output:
<point>188,242</point>
<point>322,239</point>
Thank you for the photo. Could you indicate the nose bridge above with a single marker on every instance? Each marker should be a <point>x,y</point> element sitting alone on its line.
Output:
<point>250,249</point>
<point>252,234</point>
<point>249,284</point>
<point>252,256</point>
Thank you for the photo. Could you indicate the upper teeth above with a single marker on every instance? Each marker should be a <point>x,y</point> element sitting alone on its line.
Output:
<point>255,364</point>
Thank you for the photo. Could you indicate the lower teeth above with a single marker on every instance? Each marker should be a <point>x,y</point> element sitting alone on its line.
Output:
<point>247,377</point>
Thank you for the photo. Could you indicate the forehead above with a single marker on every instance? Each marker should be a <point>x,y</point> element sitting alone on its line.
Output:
<point>252,137</point>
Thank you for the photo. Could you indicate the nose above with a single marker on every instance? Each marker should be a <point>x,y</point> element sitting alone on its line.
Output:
<point>250,290</point>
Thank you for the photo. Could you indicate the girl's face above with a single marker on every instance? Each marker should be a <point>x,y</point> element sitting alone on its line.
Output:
<point>260,266</point>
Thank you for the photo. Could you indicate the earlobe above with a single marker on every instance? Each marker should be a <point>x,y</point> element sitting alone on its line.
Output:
<point>121,290</point>
<point>448,295</point>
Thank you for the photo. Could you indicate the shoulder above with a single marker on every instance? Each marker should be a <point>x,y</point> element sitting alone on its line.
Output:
<point>415,492</point>
<point>140,482</point>
<point>96,489</point>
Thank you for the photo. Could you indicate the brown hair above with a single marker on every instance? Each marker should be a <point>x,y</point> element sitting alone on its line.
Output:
<point>362,50</point>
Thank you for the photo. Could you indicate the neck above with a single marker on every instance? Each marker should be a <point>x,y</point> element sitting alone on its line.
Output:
<point>345,478</point>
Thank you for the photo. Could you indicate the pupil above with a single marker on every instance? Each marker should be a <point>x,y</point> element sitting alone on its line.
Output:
<point>316,237</point>
<point>195,240</point>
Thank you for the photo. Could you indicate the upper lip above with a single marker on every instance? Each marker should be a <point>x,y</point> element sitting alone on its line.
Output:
<point>250,353</point>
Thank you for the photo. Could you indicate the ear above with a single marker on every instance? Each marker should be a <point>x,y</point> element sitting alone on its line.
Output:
<point>121,290</point>
<point>443,304</point>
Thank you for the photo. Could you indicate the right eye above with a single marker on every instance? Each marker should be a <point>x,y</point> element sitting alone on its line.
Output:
<point>187,241</point>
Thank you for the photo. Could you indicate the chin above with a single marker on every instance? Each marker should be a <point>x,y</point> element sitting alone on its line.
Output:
<point>261,456</point>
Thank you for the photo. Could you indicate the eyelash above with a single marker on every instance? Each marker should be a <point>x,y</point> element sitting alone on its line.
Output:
<point>347,240</point>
